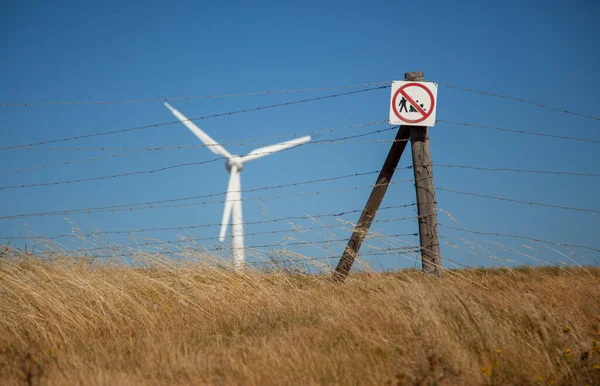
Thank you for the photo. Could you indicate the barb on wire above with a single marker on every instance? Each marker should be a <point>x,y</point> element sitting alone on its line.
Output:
<point>500,198</point>
<point>139,128</point>
<point>515,170</point>
<point>520,237</point>
<point>540,134</point>
<point>142,230</point>
<point>522,100</point>
<point>180,165</point>
<point>187,98</point>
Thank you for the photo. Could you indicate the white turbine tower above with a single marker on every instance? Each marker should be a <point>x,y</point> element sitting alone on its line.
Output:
<point>233,198</point>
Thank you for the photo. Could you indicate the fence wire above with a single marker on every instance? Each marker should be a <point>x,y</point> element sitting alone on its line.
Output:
<point>200,199</point>
<point>242,111</point>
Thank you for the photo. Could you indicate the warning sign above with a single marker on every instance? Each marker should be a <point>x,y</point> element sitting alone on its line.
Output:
<point>413,103</point>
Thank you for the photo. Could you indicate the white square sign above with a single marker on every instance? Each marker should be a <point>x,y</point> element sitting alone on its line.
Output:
<point>413,103</point>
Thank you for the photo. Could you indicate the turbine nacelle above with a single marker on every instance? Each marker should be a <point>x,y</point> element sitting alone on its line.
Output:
<point>234,161</point>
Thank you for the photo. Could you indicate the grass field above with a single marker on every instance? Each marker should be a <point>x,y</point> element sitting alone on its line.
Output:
<point>69,321</point>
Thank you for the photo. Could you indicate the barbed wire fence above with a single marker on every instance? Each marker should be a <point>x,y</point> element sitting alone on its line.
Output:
<point>331,236</point>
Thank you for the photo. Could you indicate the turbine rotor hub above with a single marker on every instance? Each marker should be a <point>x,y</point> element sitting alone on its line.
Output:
<point>234,161</point>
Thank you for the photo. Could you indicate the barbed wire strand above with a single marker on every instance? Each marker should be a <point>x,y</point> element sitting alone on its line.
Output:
<point>251,234</point>
<point>152,204</point>
<point>520,237</point>
<point>241,142</point>
<point>415,249</point>
<point>139,128</point>
<point>187,164</point>
<point>500,198</point>
<point>299,258</point>
<point>194,97</point>
<point>103,158</point>
<point>406,250</point>
<point>142,230</point>
<point>313,193</point>
<point>466,124</point>
<point>200,145</point>
<point>64,163</point>
<point>383,252</point>
<point>90,160</point>
<point>288,244</point>
<point>454,166</point>
<point>480,168</point>
<point>109,177</point>
<point>195,239</point>
<point>336,141</point>
<point>301,243</point>
<point>522,100</point>
<point>288,91</point>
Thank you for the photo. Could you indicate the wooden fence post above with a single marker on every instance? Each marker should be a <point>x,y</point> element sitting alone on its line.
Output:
<point>425,190</point>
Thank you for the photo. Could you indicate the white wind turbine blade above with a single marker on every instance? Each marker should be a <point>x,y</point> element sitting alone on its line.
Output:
<point>264,151</point>
<point>205,138</point>
<point>233,187</point>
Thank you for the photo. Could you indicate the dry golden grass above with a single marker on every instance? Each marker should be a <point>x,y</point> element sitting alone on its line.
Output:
<point>73,322</point>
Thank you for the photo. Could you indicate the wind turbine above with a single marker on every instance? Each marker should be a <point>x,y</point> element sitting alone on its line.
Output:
<point>233,198</point>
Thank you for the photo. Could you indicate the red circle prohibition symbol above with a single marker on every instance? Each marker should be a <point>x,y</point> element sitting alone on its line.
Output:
<point>423,113</point>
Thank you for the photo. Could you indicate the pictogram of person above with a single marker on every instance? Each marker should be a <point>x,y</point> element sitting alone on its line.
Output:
<point>402,105</point>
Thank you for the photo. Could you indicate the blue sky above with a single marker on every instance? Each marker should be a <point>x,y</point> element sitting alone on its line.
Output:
<point>79,51</point>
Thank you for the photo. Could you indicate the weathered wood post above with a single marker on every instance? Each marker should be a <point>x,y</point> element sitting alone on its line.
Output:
<point>425,190</point>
